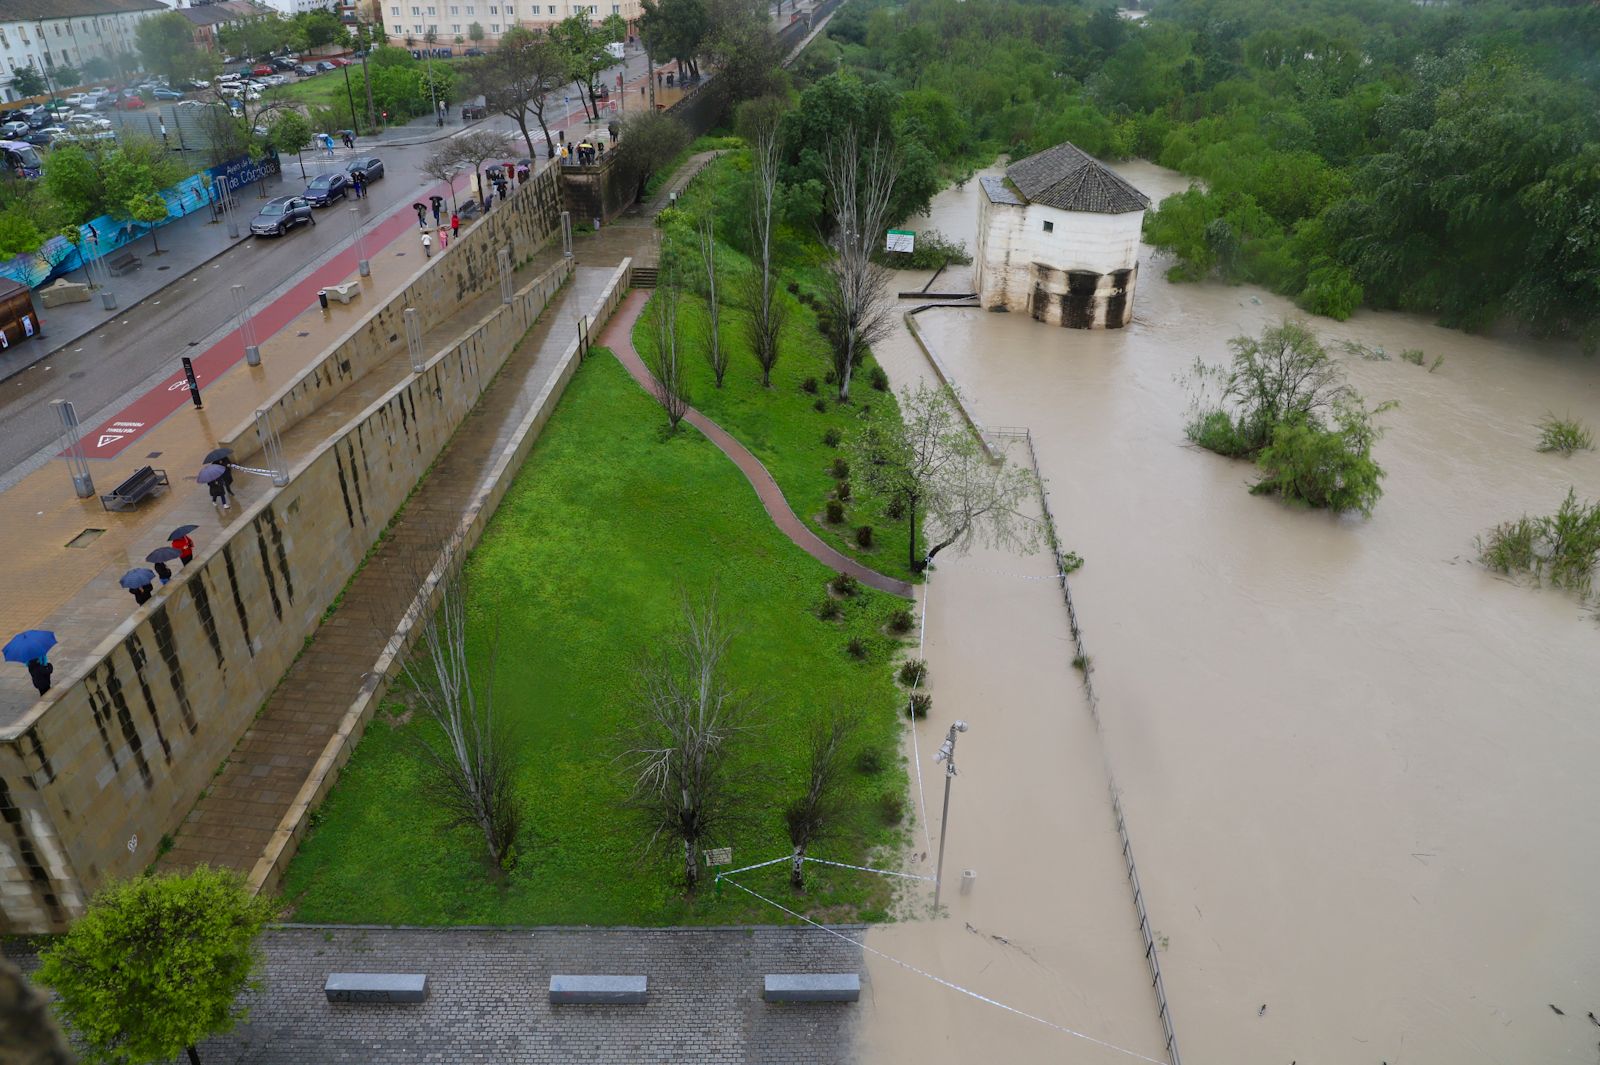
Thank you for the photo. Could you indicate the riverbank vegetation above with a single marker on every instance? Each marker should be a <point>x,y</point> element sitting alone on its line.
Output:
<point>1283,402</point>
<point>610,526</point>
<point>1439,158</point>
<point>1562,548</point>
<point>1564,436</point>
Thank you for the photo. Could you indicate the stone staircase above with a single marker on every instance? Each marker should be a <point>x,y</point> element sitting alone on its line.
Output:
<point>644,276</point>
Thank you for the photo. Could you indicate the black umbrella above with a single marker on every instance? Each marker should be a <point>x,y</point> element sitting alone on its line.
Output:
<point>163,554</point>
<point>221,454</point>
<point>181,531</point>
<point>137,578</point>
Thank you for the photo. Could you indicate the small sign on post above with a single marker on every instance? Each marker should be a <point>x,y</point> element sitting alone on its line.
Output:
<point>901,240</point>
<point>194,385</point>
<point>718,856</point>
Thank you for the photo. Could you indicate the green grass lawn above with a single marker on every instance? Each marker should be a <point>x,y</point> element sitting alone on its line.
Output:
<point>606,525</point>
<point>325,90</point>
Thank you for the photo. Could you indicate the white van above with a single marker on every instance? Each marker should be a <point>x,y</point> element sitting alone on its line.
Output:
<point>614,49</point>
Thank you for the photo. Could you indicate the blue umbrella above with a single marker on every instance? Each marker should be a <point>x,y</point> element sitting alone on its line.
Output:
<point>210,472</point>
<point>164,554</point>
<point>137,578</point>
<point>26,646</point>
<point>181,531</point>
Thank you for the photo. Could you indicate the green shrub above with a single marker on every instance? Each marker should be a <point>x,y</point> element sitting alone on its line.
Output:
<point>918,704</point>
<point>835,512</point>
<point>793,287</point>
<point>933,250</point>
<point>809,385</point>
<point>856,648</point>
<point>820,406</point>
<point>831,378</point>
<point>901,621</point>
<point>864,536</point>
<point>833,438</point>
<point>878,379</point>
<point>1216,431</point>
<point>829,609</point>
<point>896,509</point>
<point>891,807</point>
<point>1564,436</point>
<point>844,584</point>
<point>841,490</point>
<point>839,469</point>
<point>1564,546</point>
<point>1332,291</point>
<point>1331,468</point>
<point>1413,355</point>
<point>913,672</point>
<point>870,760</point>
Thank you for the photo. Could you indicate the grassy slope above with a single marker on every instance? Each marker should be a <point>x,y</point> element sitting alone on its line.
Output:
<point>583,562</point>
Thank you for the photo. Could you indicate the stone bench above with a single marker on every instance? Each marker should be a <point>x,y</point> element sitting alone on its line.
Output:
<point>63,291</point>
<point>812,987</point>
<point>376,987</point>
<point>343,293</point>
<point>599,990</point>
<point>122,262</point>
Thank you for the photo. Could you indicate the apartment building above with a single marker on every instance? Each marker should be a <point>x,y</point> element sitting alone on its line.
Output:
<point>45,34</point>
<point>412,20</point>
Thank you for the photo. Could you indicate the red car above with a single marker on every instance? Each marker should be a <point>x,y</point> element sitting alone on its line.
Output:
<point>339,61</point>
<point>262,71</point>
<point>130,103</point>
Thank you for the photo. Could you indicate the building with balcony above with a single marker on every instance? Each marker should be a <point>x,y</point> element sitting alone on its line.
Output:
<point>50,34</point>
<point>409,22</point>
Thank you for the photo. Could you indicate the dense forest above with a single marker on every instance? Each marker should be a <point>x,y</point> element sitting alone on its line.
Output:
<point>1434,157</point>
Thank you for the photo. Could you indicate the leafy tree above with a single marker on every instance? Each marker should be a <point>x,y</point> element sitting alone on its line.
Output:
<point>518,78</point>
<point>1328,468</point>
<point>816,812</point>
<point>149,207</point>
<point>674,29</point>
<point>28,81</point>
<point>157,964</point>
<point>166,42</point>
<point>475,32</point>
<point>1283,374</point>
<point>73,181</point>
<point>19,234</point>
<point>290,133</point>
<point>744,49</point>
<point>98,69</point>
<point>650,139</point>
<point>584,46</point>
<point>66,77</point>
<point>320,27</point>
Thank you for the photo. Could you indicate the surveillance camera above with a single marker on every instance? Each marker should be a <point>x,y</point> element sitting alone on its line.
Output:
<point>961,726</point>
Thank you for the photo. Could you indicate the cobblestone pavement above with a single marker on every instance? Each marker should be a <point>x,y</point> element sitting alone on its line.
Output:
<point>487,998</point>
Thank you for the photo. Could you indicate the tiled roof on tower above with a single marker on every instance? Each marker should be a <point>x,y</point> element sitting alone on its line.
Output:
<point>1070,180</point>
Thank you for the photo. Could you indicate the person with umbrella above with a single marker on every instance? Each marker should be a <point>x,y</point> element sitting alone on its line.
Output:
<point>159,559</point>
<point>220,457</point>
<point>211,476</point>
<point>179,539</point>
<point>31,647</point>
<point>139,583</point>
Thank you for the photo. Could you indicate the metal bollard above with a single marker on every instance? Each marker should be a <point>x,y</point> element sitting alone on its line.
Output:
<point>322,297</point>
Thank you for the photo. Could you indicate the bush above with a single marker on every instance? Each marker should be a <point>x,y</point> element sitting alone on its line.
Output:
<point>844,584</point>
<point>864,536</point>
<point>835,512</point>
<point>1216,431</point>
<point>833,438</point>
<point>933,250</point>
<point>919,704</point>
<point>839,470</point>
<point>1413,355</point>
<point>1564,436</point>
<point>1331,468</point>
<point>829,609</point>
<point>913,672</point>
<point>793,287</point>
<point>809,385</point>
<point>831,377</point>
<point>1565,546</point>
<point>870,760</point>
<point>896,509</point>
<point>901,621</point>
<point>856,648</point>
<point>878,379</point>
<point>1332,291</point>
<point>891,807</point>
<point>841,490</point>
<point>820,406</point>
<point>1283,372</point>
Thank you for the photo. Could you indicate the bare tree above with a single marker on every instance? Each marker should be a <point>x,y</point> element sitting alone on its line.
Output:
<point>443,164</point>
<point>816,812</point>
<point>688,721</point>
<point>473,769</point>
<point>707,231</point>
<point>671,385</point>
<point>472,150</point>
<point>929,460</point>
<point>860,185</point>
<point>517,78</point>
<point>766,312</point>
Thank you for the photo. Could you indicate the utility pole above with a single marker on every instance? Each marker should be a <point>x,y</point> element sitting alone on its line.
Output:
<point>947,755</point>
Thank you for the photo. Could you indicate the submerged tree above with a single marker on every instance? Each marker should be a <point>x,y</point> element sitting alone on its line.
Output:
<point>818,809</point>
<point>687,721</point>
<point>932,464</point>
<point>157,964</point>
<point>860,187</point>
<point>471,762</point>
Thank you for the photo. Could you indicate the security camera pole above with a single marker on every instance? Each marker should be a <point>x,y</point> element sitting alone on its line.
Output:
<point>947,755</point>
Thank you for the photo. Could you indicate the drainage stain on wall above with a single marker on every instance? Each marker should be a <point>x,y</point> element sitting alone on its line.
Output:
<point>135,648</point>
<point>266,571</point>
<point>39,879</point>
<point>208,621</point>
<point>271,518</point>
<point>161,625</point>
<point>100,707</point>
<point>238,600</point>
<point>130,734</point>
<point>344,490</point>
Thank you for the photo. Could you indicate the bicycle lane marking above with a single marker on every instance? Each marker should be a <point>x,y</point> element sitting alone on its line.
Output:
<point>112,436</point>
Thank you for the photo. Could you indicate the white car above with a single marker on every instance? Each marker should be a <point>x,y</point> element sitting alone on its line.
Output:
<point>88,124</point>
<point>276,79</point>
<point>77,99</point>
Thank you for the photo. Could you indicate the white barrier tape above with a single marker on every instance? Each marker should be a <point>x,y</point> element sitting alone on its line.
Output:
<point>952,986</point>
<point>250,469</point>
<point>869,869</point>
<point>916,750</point>
<point>758,865</point>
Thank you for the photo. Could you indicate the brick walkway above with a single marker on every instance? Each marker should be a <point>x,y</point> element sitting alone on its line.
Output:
<point>232,824</point>
<point>618,336</point>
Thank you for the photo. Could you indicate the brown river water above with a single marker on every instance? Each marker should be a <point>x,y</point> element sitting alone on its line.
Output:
<point>1359,771</point>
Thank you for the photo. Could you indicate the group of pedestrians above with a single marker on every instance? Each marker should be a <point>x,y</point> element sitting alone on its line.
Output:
<point>141,582</point>
<point>582,154</point>
<point>445,230</point>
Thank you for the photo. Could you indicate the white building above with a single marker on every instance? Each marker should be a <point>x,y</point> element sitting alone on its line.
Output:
<point>412,20</point>
<point>46,34</point>
<point>1058,238</point>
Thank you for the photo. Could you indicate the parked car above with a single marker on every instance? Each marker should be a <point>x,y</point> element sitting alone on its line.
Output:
<point>261,70</point>
<point>369,166</point>
<point>473,53</point>
<point>77,99</point>
<point>339,61</point>
<point>305,70</point>
<point>473,112</point>
<point>276,79</point>
<point>324,65</point>
<point>130,103</point>
<point>88,124</point>
<point>12,130</point>
<point>283,63</point>
<point>325,188</point>
<point>40,138</point>
<point>281,214</point>
<point>166,94</point>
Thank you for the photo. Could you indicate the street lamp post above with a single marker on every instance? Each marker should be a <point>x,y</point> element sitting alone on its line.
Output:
<point>247,329</point>
<point>947,755</point>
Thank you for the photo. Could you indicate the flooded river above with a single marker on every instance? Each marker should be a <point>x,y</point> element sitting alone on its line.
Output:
<point>1360,772</point>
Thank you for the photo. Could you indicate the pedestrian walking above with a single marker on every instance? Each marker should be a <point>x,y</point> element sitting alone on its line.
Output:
<point>422,215</point>
<point>181,543</point>
<point>219,493</point>
<point>141,594</point>
<point>355,183</point>
<point>427,245</point>
<point>39,670</point>
<point>349,141</point>
<point>455,224</point>
<point>162,571</point>
<point>563,155</point>
<point>327,144</point>
<point>227,480</point>
<point>444,237</point>
<point>437,203</point>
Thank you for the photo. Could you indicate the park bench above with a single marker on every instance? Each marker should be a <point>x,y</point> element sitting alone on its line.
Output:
<point>376,987</point>
<point>469,210</point>
<point>122,262</point>
<point>812,987</point>
<point>144,482</point>
<point>343,293</point>
<point>598,990</point>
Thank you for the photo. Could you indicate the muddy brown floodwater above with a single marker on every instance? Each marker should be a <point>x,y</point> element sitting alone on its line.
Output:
<point>1360,772</point>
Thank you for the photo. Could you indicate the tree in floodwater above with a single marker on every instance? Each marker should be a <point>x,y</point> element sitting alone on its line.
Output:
<point>936,468</point>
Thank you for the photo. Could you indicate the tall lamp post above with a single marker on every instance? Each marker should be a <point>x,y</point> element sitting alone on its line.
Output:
<point>947,755</point>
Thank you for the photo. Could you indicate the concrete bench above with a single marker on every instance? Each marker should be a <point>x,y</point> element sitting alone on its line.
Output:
<point>376,987</point>
<point>343,293</point>
<point>142,483</point>
<point>63,291</point>
<point>598,990</point>
<point>122,262</point>
<point>812,987</point>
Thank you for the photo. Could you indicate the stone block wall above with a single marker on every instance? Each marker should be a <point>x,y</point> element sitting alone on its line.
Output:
<point>91,781</point>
